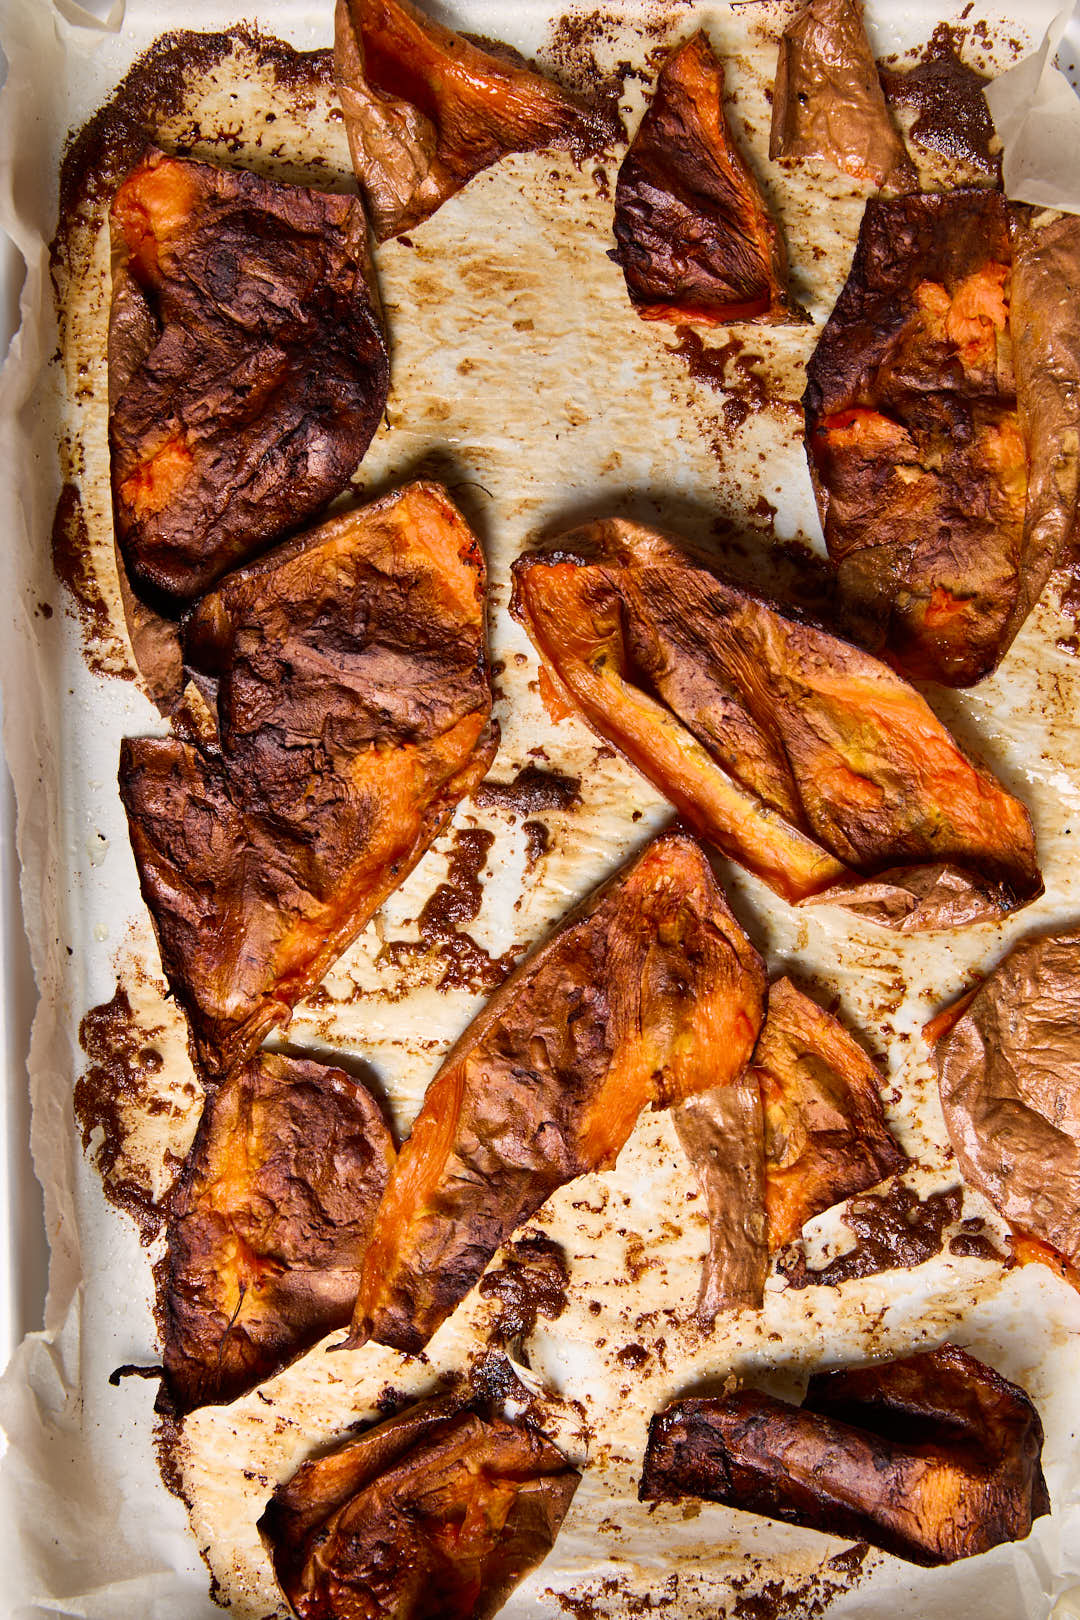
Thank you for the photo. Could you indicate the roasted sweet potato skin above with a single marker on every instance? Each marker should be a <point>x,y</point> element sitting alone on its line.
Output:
<point>805,759</point>
<point>426,109</point>
<point>348,675</point>
<point>916,444</point>
<point>695,239</point>
<point>648,994</point>
<point>250,362</point>
<point>933,1457</point>
<point>828,102</point>
<point>435,1514</point>
<point>801,1130</point>
<point>1008,1069</point>
<point>268,1225</point>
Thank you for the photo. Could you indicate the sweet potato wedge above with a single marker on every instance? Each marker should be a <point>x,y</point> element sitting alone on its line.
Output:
<point>268,1225</point>
<point>933,1457</point>
<point>695,238</point>
<point>828,103</point>
<point>1008,1071</point>
<point>348,674</point>
<point>798,755</point>
<point>943,427</point>
<point>649,993</point>
<point>248,366</point>
<point>436,1514</point>
<point>800,1131</point>
<point>426,109</point>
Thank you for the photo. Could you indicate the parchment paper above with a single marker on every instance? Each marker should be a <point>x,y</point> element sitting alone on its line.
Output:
<point>1036,112</point>
<point>521,377</point>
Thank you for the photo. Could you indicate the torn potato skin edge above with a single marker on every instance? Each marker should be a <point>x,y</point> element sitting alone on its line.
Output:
<point>349,677</point>
<point>828,103</point>
<point>1007,1059</point>
<point>268,1226</point>
<point>436,1513</point>
<point>800,1131</point>
<point>943,427</point>
<point>694,237</point>
<point>426,109</point>
<point>805,759</point>
<point>932,1457</point>
<point>248,367</point>
<point>646,994</point>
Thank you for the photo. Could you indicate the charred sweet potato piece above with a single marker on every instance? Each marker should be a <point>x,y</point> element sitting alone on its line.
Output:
<point>1008,1070</point>
<point>436,1514</point>
<point>800,1131</point>
<point>933,1457</point>
<point>349,678</point>
<point>248,367</point>
<point>696,241</point>
<point>268,1225</point>
<point>943,425</point>
<point>801,757</point>
<point>649,993</point>
<point>426,109</point>
<point>828,102</point>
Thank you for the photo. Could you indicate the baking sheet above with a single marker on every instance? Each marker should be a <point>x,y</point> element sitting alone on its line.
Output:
<point>521,378</point>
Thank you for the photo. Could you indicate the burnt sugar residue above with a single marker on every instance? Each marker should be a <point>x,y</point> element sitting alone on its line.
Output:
<point>120,1085</point>
<point>156,88</point>
<point>894,1231</point>
<point>492,1378</point>
<point>464,964</point>
<point>73,565</point>
<point>531,790</point>
<point>946,96</point>
<point>537,842</point>
<point>731,369</point>
<point>973,1242</point>
<point>809,1599</point>
<point>531,1282</point>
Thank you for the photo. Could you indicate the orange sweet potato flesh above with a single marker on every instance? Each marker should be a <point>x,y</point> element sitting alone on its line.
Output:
<point>803,758</point>
<point>436,1514</point>
<point>426,109</point>
<point>801,1130</point>
<point>933,1457</point>
<point>268,1225</point>
<point>694,235</point>
<point>649,993</point>
<point>348,674</point>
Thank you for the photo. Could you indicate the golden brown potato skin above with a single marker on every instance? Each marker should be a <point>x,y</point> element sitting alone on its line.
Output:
<point>933,1457</point>
<point>436,1514</point>
<point>828,102</point>
<point>803,758</point>
<point>426,109</point>
<point>268,1225</point>
<point>248,367</point>
<point>943,427</point>
<point>348,674</point>
<point>694,236</point>
<point>649,993</point>
<point>1009,1076</point>
<point>801,1130</point>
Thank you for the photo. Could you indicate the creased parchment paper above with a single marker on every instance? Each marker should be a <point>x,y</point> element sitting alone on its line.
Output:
<point>1036,112</point>
<point>521,377</point>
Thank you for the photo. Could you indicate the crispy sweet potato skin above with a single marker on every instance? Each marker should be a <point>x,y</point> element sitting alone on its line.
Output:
<point>828,102</point>
<point>349,677</point>
<point>268,1225</point>
<point>933,1457</point>
<point>801,1130</point>
<point>916,445</point>
<point>1009,1075</point>
<point>650,993</point>
<point>801,757</point>
<point>436,1514</point>
<point>426,109</point>
<point>694,237</point>
<point>248,367</point>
